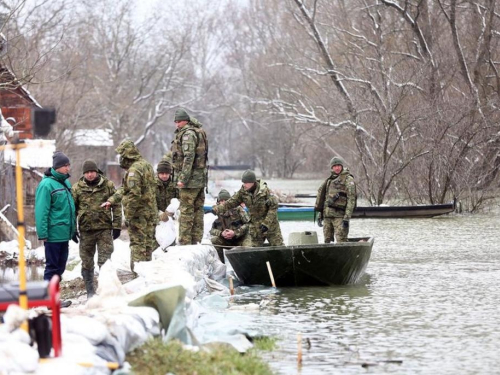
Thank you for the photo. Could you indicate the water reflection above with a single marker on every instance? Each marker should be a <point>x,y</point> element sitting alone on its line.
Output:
<point>429,304</point>
<point>11,274</point>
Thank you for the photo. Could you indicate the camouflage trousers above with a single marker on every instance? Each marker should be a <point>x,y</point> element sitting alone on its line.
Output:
<point>220,242</point>
<point>273,235</point>
<point>141,232</point>
<point>89,241</point>
<point>334,226</point>
<point>191,220</point>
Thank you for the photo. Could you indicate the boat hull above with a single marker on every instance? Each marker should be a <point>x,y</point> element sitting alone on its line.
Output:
<point>300,212</point>
<point>303,265</point>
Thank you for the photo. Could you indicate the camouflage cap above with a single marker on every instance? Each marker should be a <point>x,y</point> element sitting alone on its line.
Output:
<point>128,149</point>
<point>248,176</point>
<point>181,115</point>
<point>336,160</point>
<point>224,195</point>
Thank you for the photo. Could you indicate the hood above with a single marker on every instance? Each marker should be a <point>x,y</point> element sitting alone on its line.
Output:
<point>128,150</point>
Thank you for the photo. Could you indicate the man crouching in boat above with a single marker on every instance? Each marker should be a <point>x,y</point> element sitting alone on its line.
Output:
<point>231,228</point>
<point>262,207</point>
<point>336,201</point>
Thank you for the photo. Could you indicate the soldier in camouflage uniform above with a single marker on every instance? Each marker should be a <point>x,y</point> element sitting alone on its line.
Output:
<point>190,162</point>
<point>138,198</point>
<point>336,201</point>
<point>230,228</point>
<point>262,207</point>
<point>165,189</point>
<point>97,227</point>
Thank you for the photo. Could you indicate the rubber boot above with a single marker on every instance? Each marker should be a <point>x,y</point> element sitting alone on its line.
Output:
<point>88,277</point>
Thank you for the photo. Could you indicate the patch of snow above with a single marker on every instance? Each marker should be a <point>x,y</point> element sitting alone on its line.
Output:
<point>37,154</point>
<point>89,137</point>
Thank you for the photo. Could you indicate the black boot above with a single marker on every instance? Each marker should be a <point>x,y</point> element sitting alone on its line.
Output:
<point>88,277</point>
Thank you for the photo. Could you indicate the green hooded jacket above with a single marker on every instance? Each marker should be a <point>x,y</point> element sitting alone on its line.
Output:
<point>54,208</point>
<point>138,191</point>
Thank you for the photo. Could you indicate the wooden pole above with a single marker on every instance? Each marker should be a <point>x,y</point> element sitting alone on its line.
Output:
<point>299,349</point>
<point>231,289</point>
<point>271,274</point>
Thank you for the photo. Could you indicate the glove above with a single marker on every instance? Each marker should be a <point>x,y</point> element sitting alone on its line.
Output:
<point>263,228</point>
<point>116,233</point>
<point>345,224</point>
<point>75,238</point>
<point>320,220</point>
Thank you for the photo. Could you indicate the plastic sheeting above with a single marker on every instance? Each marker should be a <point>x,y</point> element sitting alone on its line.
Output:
<point>179,293</point>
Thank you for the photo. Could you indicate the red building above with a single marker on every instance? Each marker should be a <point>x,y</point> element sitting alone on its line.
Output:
<point>16,103</point>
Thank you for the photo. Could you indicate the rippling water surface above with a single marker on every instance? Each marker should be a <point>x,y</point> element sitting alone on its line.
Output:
<point>428,304</point>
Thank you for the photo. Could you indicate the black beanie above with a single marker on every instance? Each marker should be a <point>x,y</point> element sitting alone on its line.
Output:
<point>248,176</point>
<point>164,167</point>
<point>59,160</point>
<point>89,165</point>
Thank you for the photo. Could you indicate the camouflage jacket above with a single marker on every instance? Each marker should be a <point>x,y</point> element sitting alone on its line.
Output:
<point>337,196</point>
<point>190,155</point>
<point>88,200</point>
<point>262,205</point>
<point>165,191</point>
<point>235,219</point>
<point>137,192</point>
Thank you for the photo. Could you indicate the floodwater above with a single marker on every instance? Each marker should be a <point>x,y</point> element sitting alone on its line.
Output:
<point>428,304</point>
<point>11,274</point>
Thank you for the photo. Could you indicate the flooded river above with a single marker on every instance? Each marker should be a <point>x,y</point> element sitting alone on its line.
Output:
<point>429,303</point>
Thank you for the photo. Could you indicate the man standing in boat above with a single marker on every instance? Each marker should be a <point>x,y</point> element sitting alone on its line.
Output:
<point>190,162</point>
<point>231,228</point>
<point>336,201</point>
<point>262,207</point>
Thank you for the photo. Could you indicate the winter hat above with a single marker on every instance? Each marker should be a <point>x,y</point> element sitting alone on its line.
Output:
<point>337,161</point>
<point>181,115</point>
<point>224,195</point>
<point>248,176</point>
<point>89,165</point>
<point>59,160</point>
<point>164,167</point>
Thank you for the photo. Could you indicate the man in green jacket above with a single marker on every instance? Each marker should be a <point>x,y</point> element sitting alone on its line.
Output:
<point>190,162</point>
<point>98,228</point>
<point>55,216</point>
<point>138,197</point>
<point>262,207</point>
<point>335,202</point>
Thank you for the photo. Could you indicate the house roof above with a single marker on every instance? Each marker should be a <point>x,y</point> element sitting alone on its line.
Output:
<point>10,83</point>
<point>89,137</point>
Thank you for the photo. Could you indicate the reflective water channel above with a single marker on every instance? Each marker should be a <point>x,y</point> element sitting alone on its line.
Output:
<point>428,304</point>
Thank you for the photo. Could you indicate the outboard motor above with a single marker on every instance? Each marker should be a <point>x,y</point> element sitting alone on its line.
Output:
<point>303,238</point>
